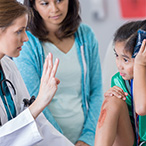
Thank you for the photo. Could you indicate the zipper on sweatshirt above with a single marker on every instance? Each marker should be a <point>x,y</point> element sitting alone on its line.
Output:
<point>85,72</point>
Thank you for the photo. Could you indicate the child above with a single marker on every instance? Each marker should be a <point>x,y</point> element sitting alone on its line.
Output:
<point>116,124</point>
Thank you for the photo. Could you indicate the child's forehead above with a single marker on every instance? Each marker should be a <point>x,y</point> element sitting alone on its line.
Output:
<point>119,48</point>
<point>122,45</point>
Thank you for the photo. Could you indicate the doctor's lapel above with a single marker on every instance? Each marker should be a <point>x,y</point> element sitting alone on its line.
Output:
<point>3,117</point>
<point>8,75</point>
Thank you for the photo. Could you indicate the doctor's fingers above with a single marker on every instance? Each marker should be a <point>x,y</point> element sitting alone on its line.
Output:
<point>57,81</point>
<point>48,76</point>
<point>48,90</point>
<point>55,67</point>
<point>46,65</point>
<point>53,82</point>
<point>51,69</point>
<point>52,85</point>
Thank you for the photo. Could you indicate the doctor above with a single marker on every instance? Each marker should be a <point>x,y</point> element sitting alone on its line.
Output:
<point>20,126</point>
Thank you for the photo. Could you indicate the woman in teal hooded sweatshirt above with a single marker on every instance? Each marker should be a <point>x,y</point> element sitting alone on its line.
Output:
<point>55,27</point>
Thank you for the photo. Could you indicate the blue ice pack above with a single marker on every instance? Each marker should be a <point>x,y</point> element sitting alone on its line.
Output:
<point>140,37</point>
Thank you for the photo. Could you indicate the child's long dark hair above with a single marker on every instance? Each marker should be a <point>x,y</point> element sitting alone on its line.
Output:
<point>128,33</point>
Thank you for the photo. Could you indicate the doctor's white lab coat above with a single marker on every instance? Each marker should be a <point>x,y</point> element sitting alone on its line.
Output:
<point>24,130</point>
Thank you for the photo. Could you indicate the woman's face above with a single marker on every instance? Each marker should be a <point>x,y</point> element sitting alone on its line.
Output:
<point>124,61</point>
<point>12,38</point>
<point>53,12</point>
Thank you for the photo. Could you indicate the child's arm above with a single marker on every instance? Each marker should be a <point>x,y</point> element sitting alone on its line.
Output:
<point>140,81</point>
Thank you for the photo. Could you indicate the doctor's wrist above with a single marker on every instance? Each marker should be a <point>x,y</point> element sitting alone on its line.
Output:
<point>36,108</point>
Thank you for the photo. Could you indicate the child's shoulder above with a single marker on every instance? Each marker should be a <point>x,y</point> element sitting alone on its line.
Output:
<point>117,76</point>
<point>117,80</point>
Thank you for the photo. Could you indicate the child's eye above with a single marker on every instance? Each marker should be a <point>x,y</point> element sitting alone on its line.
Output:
<point>58,1</point>
<point>125,60</point>
<point>116,54</point>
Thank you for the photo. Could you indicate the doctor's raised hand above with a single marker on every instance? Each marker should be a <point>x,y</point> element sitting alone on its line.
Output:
<point>19,125</point>
<point>48,83</point>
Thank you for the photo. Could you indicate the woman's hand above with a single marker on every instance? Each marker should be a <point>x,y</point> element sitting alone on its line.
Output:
<point>49,83</point>
<point>116,91</point>
<point>81,143</point>
<point>48,86</point>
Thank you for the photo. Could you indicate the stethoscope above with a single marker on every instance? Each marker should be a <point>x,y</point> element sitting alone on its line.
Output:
<point>27,102</point>
<point>4,94</point>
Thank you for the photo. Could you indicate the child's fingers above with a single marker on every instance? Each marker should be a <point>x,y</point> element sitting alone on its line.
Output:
<point>119,94</point>
<point>142,48</point>
<point>116,93</point>
<point>107,94</point>
<point>119,91</point>
<point>126,94</point>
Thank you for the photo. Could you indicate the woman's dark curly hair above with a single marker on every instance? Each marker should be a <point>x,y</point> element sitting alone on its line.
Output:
<point>68,27</point>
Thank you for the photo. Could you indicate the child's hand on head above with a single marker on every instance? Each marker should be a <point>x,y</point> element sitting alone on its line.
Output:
<point>140,59</point>
<point>117,92</point>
